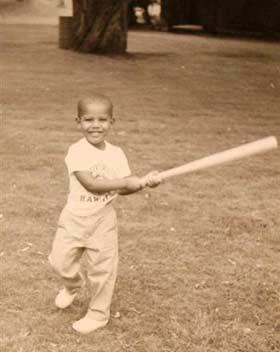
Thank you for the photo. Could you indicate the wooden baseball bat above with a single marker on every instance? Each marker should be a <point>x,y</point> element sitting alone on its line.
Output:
<point>245,150</point>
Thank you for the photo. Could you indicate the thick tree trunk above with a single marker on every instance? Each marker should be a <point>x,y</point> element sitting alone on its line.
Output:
<point>100,26</point>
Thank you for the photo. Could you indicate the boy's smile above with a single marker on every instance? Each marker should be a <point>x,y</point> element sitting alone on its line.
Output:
<point>95,123</point>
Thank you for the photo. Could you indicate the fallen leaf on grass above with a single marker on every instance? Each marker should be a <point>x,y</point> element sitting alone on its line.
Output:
<point>117,315</point>
<point>26,333</point>
<point>231,261</point>
<point>247,330</point>
<point>135,310</point>
<point>24,249</point>
<point>202,284</point>
<point>227,283</point>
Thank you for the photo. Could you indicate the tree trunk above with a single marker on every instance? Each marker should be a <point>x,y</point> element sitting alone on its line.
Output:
<point>100,26</point>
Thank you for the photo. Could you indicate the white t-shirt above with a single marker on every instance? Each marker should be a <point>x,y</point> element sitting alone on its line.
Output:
<point>109,163</point>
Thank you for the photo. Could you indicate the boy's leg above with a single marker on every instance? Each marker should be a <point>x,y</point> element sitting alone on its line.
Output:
<point>102,255</point>
<point>66,253</point>
<point>102,276</point>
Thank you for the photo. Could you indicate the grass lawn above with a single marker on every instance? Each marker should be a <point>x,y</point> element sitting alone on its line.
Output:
<point>199,256</point>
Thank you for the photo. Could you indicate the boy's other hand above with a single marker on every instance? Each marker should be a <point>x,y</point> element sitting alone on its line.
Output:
<point>152,179</point>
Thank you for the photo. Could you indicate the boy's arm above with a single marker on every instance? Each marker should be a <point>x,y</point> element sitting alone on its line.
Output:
<point>126,192</point>
<point>126,185</point>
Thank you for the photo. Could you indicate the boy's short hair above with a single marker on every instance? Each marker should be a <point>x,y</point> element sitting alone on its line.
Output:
<point>95,99</point>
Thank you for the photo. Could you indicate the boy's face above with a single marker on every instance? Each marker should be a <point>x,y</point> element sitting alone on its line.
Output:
<point>95,122</point>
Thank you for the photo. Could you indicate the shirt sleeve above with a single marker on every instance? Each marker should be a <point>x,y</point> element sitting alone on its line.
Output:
<point>75,161</point>
<point>123,167</point>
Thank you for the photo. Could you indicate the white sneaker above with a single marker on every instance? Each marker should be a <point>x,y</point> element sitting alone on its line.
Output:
<point>87,325</point>
<point>64,298</point>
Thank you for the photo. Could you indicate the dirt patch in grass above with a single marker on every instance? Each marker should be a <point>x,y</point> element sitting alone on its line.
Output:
<point>199,256</point>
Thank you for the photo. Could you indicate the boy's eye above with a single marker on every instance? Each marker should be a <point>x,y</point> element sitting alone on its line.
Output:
<point>99,119</point>
<point>88,119</point>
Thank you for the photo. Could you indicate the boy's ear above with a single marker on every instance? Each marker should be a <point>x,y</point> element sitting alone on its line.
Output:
<point>113,120</point>
<point>78,120</point>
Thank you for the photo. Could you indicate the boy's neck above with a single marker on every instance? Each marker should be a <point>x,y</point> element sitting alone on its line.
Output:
<point>100,146</point>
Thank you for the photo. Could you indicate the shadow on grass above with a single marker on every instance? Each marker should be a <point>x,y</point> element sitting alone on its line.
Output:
<point>268,36</point>
<point>130,56</point>
<point>146,56</point>
<point>249,55</point>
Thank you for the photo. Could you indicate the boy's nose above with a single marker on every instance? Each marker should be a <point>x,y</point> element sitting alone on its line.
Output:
<point>95,123</point>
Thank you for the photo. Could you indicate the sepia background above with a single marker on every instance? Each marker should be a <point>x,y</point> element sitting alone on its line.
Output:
<point>199,256</point>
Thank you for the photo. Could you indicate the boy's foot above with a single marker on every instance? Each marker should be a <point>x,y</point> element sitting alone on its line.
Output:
<point>87,325</point>
<point>64,298</point>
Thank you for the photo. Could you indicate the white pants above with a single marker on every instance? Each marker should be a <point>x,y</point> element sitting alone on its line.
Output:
<point>95,236</point>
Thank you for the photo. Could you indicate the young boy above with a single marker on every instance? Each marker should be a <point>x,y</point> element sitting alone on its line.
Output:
<point>98,172</point>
